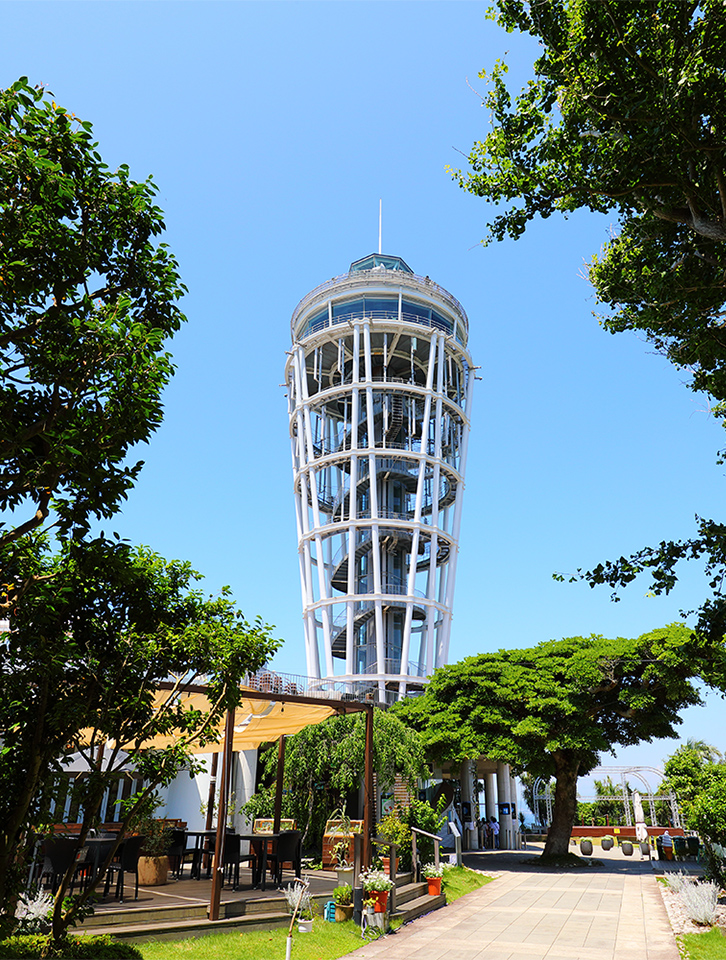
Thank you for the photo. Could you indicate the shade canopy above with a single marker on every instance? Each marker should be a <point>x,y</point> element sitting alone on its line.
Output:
<point>256,720</point>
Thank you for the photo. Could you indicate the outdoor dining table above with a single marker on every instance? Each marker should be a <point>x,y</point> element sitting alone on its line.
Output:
<point>97,849</point>
<point>256,838</point>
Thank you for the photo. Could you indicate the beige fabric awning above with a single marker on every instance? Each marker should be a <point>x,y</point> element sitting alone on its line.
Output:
<point>256,721</point>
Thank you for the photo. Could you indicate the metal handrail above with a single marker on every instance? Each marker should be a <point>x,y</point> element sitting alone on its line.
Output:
<point>363,277</point>
<point>414,851</point>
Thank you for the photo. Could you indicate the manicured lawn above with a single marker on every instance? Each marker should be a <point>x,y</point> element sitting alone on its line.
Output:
<point>704,946</point>
<point>460,880</point>
<point>328,941</point>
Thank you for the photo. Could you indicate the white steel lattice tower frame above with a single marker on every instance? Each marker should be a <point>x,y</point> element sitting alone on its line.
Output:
<point>380,388</point>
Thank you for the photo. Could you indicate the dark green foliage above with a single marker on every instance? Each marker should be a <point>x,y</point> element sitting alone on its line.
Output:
<point>100,627</point>
<point>326,762</point>
<point>626,114</point>
<point>88,299</point>
<point>552,709</point>
<point>104,947</point>
<point>422,815</point>
<point>689,772</point>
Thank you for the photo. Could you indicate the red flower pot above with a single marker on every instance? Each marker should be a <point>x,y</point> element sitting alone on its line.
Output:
<point>381,897</point>
<point>434,886</point>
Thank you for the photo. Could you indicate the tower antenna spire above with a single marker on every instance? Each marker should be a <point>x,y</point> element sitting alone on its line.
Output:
<point>380,222</point>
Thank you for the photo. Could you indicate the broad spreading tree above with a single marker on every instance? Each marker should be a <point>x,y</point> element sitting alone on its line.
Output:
<point>626,115</point>
<point>555,708</point>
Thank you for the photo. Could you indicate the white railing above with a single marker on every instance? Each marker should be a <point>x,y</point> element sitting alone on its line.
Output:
<point>352,281</point>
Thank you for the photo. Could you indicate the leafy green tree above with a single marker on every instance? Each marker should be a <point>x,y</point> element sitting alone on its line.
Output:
<point>692,769</point>
<point>325,764</point>
<point>626,114</point>
<point>88,299</point>
<point>552,709</point>
<point>101,628</point>
<point>709,819</point>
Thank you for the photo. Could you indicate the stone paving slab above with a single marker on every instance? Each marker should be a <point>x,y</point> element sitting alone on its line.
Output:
<point>612,913</point>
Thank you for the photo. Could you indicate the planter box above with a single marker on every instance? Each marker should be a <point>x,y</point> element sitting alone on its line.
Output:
<point>153,871</point>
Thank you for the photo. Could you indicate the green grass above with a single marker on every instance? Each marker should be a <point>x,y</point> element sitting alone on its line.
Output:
<point>460,880</point>
<point>326,942</point>
<point>703,946</point>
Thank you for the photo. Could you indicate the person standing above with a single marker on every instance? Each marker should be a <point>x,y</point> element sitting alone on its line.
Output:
<point>495,833</point>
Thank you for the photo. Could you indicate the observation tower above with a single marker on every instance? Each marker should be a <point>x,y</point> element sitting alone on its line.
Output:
<point>379,386</point>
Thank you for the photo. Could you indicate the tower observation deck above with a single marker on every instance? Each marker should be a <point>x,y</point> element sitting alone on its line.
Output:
<point>379,387</point>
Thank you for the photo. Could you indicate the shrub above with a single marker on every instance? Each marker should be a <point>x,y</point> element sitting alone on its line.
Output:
<point>677,881</point>
<point>30,946</point>
<point>395,830</point>
<point>343,895</point>
<point>422,815</point>
<point>700,901</point>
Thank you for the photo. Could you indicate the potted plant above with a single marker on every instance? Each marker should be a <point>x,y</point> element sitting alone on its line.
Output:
<point>153,866</point>
<point>393,829</point>
<point>343,867</point>
<point>376,884</point>
<point>305,919</point>
<point>300,905</point>
<point>586,847</point>
<point>343,899</point>
<point>342,830</point>
<point>433,875</point>
<point>607,843</point>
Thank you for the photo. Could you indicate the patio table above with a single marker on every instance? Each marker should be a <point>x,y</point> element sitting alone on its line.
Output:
<point>257,838</point>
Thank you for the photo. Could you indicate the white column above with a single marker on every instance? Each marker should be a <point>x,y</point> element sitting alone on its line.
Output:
<point>505,819</point>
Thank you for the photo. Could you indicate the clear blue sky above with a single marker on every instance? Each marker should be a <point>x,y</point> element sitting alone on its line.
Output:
<point>272,129</point>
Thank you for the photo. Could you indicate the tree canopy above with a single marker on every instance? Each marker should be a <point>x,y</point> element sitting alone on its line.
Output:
<point>101,626</point>
<point>88,299</point>
<point>626,114</point>
<point>554,708</point>
<point>324,764</point>
<point>103,637</point>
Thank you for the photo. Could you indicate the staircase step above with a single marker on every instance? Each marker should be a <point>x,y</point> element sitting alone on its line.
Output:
<point>419,906</point>
<point>170,930</point>
<point>410,891</point>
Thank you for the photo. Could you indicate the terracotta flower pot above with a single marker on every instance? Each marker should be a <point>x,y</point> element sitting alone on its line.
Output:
<point>381,900</point>
<point>387,865</point>
<point>434,886</point>
<point>153,871</point>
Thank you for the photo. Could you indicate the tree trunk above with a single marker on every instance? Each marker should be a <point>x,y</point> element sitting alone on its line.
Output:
<point>565,808</point>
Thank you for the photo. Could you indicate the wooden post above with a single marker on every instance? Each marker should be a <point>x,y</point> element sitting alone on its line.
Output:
<point>218,865</point>
<point>368,789</point>
<point>278,784</point>
<point>210,802</point>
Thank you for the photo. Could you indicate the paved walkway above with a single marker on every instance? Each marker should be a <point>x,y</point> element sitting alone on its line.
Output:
<point>610,913</point>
